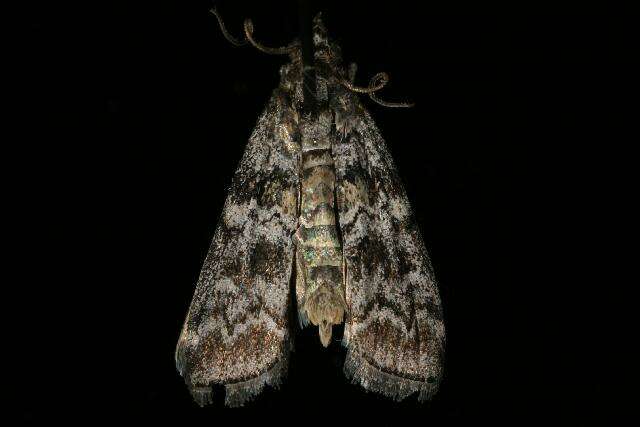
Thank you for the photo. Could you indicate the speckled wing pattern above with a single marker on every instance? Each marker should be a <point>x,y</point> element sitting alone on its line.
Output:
<point>394,330</point>
<point>237,329</point>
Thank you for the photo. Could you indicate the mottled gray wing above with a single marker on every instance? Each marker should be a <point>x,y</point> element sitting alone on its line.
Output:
<point>237,329</point>
<point>394,330</point>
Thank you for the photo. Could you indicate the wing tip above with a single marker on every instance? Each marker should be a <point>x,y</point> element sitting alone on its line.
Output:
<point>203,395</point>
<point>237,394</point>
<point>371,378</point>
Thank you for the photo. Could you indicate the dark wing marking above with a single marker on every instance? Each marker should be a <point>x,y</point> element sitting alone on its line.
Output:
<point>236,332</point>
<point>394,330</point>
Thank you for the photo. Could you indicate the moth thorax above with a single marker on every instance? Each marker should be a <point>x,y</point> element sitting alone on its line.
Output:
<point>315,130</point>
<point>325,308</point>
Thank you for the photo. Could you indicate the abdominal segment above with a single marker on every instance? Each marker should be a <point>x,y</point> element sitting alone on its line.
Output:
<point>319,261</point>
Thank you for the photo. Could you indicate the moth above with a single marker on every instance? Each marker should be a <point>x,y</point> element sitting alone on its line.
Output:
<point>316,202</point>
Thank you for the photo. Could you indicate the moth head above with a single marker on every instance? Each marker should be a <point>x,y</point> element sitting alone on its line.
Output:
<point>327,53</point>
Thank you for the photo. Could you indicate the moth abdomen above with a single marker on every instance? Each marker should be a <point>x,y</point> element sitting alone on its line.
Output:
<point>317,239</point>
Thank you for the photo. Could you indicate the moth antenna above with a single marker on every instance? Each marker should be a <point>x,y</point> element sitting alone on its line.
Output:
<point>376,83</point>
<point>284,50</point>
<point>373,84</point>
<point>223,28</point>
<point>377,100</point>
<point>353,69</point>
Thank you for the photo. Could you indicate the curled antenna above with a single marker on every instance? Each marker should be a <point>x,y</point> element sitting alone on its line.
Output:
<point>223,28</point>
<point>377,100</point>
<point>284,50</point>
<point>376,83</point>
<point>248,33</point>
<point>384,79</point>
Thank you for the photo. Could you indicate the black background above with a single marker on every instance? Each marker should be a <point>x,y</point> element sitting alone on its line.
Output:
<point>142,113</point>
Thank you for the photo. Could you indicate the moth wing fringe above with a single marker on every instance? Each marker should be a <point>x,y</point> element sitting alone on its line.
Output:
<point>237,394</point>
<point>363,373</point>
<point>241,392</point>
<point>203,395</point>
